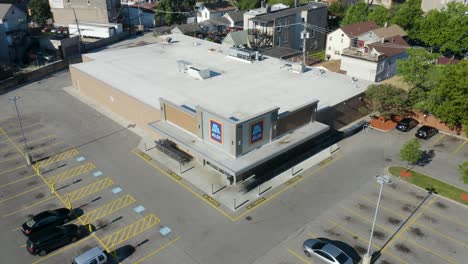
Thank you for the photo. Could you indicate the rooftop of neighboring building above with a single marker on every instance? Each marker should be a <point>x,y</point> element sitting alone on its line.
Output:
<point>444,60</point>
<point>358,29</point>
<point>268,17</point>
<point>4,7</point>
<point>236,16</point>
<point>237,88</point>
<point>390,31</point>
<point>390,47</point>
<point>281,52</point>
<point>147,7</point>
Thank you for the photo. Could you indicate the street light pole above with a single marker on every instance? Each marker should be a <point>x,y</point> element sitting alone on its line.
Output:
<point>27,155</point>
<point>382,180</point>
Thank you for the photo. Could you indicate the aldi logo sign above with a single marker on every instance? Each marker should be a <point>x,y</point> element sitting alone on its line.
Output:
<point>256,132</point>
<point>216,131</point>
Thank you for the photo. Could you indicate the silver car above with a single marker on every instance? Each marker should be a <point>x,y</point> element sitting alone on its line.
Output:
<point>326,251</point>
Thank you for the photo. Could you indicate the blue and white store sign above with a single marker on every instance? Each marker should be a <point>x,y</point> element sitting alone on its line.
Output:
<point>256,132</point>
<point>216,131</point>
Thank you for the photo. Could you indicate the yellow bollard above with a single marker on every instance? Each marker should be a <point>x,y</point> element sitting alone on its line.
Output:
<point>52,186</point>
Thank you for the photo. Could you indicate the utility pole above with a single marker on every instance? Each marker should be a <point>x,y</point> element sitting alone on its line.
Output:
<point>304,36</point>
<point>79,32</point>
<point>382,180</point>
<point>26,148</point>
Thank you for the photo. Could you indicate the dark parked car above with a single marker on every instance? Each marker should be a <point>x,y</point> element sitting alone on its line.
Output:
<point>51,238</point>
<point>46,219</point>
<point>326,251</point>
<point>406,124</point>
<point>426,132</point>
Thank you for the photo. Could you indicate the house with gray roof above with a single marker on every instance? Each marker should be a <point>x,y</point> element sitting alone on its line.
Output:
<point>13,33</point>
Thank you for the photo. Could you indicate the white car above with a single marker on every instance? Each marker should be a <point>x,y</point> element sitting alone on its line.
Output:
<point>326,251</point>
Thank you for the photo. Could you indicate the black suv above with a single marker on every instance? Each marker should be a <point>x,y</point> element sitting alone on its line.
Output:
<point>52,238</point>
<point>426,132</point>
<point>406,124</point>
<point>45,219</point>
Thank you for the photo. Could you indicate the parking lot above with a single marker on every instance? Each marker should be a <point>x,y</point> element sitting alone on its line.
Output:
<point>64,176</point>
<point>436,232</point>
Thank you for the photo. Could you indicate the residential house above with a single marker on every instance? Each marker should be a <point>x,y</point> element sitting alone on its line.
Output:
<point>260,11</point>
<point>14,38</point>
<point>375,61</point>
<point>207,11</point>
<point>236,19</point>
<point>87,11</point>
<point>378,34</point>
<point>346,37</point>
<point>284,27</point>
<point>187,29</point>
<point>427,5</point>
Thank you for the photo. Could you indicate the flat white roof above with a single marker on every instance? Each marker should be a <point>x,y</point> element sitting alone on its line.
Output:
<point>241,89</point>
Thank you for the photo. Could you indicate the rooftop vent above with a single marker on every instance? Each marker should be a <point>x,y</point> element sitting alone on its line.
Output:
<point>292,66</point>
<point>193,71</point>
<point>245,54</point>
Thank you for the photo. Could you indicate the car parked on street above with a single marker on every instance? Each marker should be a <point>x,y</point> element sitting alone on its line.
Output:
<point>426,132</point>
<point>46,219</point>
<point>406,124</point>
<point>326,251</point>
<point>48,239</point>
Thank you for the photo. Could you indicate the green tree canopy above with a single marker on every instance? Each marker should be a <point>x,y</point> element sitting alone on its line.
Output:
<point>337,11</point>
<point>411,151</point>
<point>419,70</point>
<point>168,9</point>
<point>386,99</point>
<point>40,11</point>
<point>356,13</point>
<point>445,28</point>
<point>248,4</point>
<point>408,15</point>
<point>448,100</point>
<point>380,15</point>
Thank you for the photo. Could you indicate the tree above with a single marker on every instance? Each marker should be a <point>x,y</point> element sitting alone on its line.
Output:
<point>173,10</point>
<point>407,16</point>
<point>411,152</point>
<point>356,13</point>
<point>419,70</point>
<point>380,15</point>
<point>386,99</point>
<point>336,12</point>
<point>445,28</point>
<point>248,4</point>
<point>448,99</point>
<point>40,11</point>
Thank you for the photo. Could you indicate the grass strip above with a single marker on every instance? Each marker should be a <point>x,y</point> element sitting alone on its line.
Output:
<point>426,182</point>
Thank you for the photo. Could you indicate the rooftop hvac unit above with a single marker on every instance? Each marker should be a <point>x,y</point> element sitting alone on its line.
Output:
<point>245,54</point>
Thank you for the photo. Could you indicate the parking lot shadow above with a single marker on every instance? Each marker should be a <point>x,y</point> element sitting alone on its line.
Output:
<point>120,254</point>
<point>426,158</point>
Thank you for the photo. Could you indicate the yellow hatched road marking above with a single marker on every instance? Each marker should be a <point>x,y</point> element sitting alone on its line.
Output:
<point>88,190</point>
<point>299,256</point>
<point>30,206</point>
<point>157,250</point>
<point>19,180</point>
<point>57,178</point>
<point>417,224</point>
<point>364,240</point>
<point>58,157</point>
<point>130,231</point>
<point>107,209</point>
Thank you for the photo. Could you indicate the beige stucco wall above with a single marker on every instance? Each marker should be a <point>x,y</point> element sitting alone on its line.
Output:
<point>118,102</point>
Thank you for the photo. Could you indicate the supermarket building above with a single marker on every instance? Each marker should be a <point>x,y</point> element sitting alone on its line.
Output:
<point>230,109</point>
